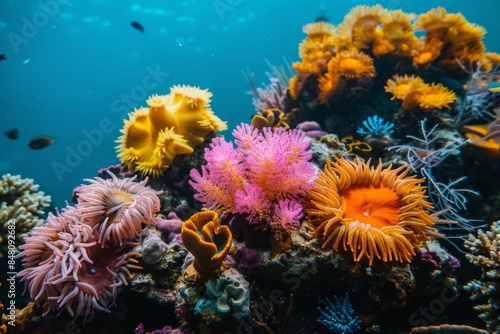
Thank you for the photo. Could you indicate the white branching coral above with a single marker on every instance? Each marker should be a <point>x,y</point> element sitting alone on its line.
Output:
<point>20,202</point>
<point>485,253</point>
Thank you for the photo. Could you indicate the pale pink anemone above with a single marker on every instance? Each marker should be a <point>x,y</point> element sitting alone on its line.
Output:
<point>67,269</point>
<point>116,209</point>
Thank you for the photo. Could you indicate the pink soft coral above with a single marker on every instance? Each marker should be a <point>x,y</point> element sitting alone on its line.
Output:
<point>263,178</point>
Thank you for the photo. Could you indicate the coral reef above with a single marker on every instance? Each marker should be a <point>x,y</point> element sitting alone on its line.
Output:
<point>484,251</point>
<point>21,203</point>
<point>173,124</point>
<point>293,211</point>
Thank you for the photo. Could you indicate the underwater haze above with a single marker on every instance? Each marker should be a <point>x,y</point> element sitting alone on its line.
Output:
<point>74,69</point>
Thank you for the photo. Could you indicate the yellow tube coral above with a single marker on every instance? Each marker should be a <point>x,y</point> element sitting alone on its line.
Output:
<point>173,124</point>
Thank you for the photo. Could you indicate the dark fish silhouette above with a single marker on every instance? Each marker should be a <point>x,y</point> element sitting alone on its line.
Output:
<point>12,134</point>
<point>41,142</point>
<point>137,26</point>
<point>2,57</point>
<point>321,18</point>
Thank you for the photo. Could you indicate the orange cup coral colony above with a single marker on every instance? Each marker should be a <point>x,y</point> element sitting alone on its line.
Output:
<point>207,240</point>
<point>338,58</point>
<point>173,124</point>
<point>415,93</point>
<point>375,213</point>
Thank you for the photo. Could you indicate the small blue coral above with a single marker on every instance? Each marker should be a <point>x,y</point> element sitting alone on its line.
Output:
<point>339,317</point>
<point>376,126</point>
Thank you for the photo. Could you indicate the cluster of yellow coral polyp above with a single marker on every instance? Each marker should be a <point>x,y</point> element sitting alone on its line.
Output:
<point>415,93</point>
<point>342,57</point>
<point>173,124</point>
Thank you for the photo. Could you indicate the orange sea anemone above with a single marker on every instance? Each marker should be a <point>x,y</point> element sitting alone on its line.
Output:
<point>427,50</point>
<point>373,212</point>
<point>435,96</point>
<point>361,22</point>
<point>401,86</point>
<point>317,30</point>
<point>320,42</point>
<point>437,22</point>
<point>351,65</point>
<point>398,31</point>
<point>173,124</point>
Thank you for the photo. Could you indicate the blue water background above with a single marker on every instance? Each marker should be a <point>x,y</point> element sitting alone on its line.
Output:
<point>72,74</point>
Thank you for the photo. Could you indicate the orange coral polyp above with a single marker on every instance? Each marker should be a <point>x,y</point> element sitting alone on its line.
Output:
<point>351,65</point>
<point>436,96</point>
<point>438,22</point>
<point>374,213</point>
<point>401,86</point>
<point>319,29</point>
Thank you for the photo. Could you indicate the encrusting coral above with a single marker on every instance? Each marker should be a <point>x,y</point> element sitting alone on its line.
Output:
<point>485,253</point>
<point>375,213</point>
<point>22,204</point>
<point>207,240</point>
<point>173,124</point>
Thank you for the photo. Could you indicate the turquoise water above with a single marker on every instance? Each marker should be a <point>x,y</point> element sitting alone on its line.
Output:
<point>74,69</point>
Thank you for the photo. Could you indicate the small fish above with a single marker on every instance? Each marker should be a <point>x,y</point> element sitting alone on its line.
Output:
<point>321,18</point>
<point>40,142</point>
<point>12,134</point>
<point>2,57</point>
<point>137,26</point>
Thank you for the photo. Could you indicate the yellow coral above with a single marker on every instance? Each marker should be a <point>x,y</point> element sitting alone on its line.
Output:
<point>173,124</point>
<point>438,22</point>
<point>415,93</point>
<point>401,86</point>
<point>361,23</point>
<point>436,96</point>
<point>351,65</point>
<point>426,52</point>
<point>319,29</point>
<point>398,32</point>
<point>449,37</point>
